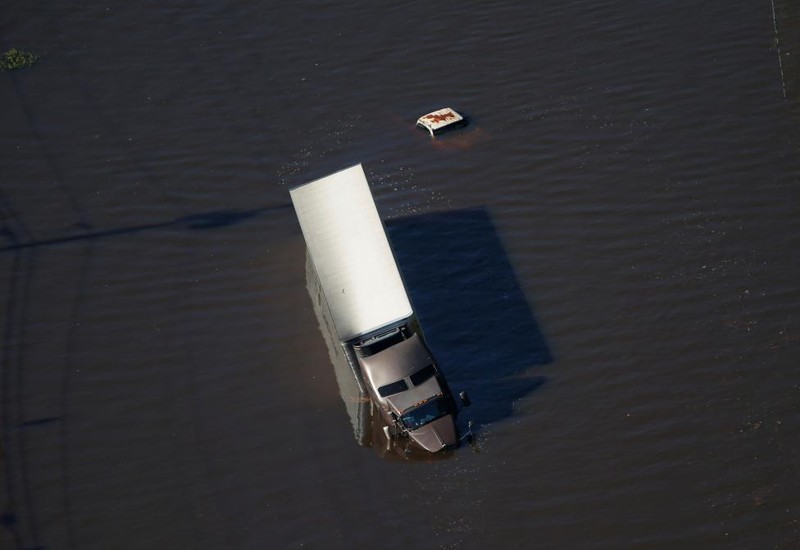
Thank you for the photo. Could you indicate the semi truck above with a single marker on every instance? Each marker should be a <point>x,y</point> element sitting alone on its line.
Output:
<point>382,362</point>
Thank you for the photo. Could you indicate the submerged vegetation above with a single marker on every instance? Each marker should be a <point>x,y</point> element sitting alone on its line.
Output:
<point>17,59</point>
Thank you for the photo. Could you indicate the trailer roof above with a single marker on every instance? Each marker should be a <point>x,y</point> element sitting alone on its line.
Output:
<point>351,254</point>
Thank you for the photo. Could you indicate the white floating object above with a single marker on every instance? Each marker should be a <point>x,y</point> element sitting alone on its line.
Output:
<point>441,120</point>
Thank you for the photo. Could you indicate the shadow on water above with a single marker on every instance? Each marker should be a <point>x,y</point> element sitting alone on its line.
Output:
<point>201,221</point>
<point>471,306</point>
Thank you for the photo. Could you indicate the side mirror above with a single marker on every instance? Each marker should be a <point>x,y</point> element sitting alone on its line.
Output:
<point>464,398</point>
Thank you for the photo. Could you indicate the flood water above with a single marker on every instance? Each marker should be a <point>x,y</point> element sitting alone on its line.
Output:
<point>606,259</point>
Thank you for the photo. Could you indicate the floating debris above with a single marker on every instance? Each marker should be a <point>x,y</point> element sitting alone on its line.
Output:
<point>17,59</point>
<point>441,120</point>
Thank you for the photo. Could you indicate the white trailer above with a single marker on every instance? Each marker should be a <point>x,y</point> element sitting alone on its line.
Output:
<point>375,342</point>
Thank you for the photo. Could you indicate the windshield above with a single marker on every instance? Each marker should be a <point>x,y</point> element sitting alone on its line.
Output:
<point>393,388</point>
<point>427,412</point>
<point>421,375</point>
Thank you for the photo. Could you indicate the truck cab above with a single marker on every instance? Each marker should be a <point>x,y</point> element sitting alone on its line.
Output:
<point>408,388</point>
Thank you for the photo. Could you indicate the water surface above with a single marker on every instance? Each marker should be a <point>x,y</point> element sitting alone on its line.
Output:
<point>606,259</point>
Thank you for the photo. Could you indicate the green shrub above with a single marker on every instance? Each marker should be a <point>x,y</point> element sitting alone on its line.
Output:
<point>17,59</point>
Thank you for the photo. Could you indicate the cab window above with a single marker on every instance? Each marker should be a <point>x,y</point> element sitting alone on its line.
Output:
<point>421,375</point>
<point>393,388</point>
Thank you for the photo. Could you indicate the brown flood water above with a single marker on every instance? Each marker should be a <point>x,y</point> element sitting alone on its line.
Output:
<point>606,259</point>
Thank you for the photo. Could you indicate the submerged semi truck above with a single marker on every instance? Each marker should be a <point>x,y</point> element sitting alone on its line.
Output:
<point>380,357</point>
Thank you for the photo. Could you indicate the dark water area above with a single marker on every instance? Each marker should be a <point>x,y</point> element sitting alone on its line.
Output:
<point>606,258</point>
<point>483,320</point>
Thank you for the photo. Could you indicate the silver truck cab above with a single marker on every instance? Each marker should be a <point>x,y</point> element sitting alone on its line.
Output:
<point>408,388</point>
